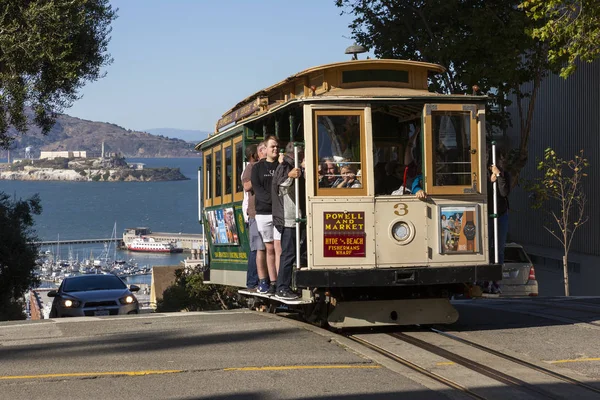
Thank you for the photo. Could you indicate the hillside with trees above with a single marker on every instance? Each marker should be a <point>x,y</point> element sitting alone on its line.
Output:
<point>73,134</point>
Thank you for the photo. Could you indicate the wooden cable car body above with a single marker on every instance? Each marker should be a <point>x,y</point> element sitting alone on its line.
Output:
<point>374,256</point>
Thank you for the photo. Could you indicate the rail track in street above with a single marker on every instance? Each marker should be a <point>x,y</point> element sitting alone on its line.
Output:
<point>482,373</point>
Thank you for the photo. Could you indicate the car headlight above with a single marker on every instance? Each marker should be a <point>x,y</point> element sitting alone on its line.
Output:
<point>401,231</point>
<point>129,299</point>
<point>71,303</point>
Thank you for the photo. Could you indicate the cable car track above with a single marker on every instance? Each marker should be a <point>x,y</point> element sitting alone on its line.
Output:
<point>477,367</point>
<point>518,361</point>
<point>416,367</point>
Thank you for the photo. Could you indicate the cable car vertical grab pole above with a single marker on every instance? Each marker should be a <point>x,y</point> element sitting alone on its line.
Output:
<point>494,192</point>
<point>297,201</point>
<point>296,189</point>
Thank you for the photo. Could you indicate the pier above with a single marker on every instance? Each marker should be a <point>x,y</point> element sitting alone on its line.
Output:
<point>77,241</point>
<point>186,241</point>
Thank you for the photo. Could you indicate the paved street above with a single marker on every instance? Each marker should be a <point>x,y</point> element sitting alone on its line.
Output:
<point>188,355</point>
<point>248,355</point>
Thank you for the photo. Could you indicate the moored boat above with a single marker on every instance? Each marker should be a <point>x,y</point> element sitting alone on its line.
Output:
<point>148,244</point>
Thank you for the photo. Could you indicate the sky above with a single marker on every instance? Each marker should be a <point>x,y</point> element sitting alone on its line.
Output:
<point>183,63</point>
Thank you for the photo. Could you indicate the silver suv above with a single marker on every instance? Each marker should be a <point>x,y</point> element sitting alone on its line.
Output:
<point>518,273</point>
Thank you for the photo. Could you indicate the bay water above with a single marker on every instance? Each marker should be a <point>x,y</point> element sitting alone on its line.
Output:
<point>89,210</point>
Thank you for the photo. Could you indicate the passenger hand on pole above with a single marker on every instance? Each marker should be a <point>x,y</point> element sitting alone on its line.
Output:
<point>294,173</point>
<point>495,173</point>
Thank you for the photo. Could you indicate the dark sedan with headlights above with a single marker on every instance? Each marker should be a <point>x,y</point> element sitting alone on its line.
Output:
<point>93,295</point>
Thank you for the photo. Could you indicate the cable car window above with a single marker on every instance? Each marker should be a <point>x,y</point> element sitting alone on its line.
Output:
<point>339,151</point>
<point>218,174</point>
<point>209,177</point>
<point>239,167</point>
<point>228,170</point>
<point>396,151</point>
<point>451,132</point>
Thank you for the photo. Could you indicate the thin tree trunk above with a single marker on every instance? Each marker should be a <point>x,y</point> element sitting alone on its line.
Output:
<point>223,304</point>
<point>566,275</point>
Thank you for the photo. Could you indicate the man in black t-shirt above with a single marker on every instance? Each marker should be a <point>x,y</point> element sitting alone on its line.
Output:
<point>262,177</point>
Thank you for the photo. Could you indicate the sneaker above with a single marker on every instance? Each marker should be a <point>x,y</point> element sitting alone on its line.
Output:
<point>252,289</point>
<point>286,295</point>
<point>272,290</point>
<point>263,286</point>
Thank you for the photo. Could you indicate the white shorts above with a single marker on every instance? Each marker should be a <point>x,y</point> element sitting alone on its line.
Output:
<point>276,234</point>
<point>264,223</point>
<point>256,242</point>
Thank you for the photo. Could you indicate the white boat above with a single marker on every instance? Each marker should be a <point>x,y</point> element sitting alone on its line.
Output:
<point>148,244</point>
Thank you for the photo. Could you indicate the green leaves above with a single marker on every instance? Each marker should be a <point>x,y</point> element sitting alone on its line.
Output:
<point>190,293</point>
<point>570,27</point>
<point>559,192</point>
<point>48,50</point>
<point>17,254</point>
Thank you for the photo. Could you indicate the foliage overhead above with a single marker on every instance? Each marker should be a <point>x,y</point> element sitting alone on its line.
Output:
<point>17,253</point>
<point>570,27</point>
<point>48,50</point>
<point>480,43</point>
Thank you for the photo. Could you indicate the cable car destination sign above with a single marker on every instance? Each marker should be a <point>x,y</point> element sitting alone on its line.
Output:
<point>344,234</point>
<point>239,113</point>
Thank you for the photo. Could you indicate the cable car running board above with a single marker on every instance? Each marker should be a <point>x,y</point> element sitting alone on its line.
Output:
<point>272,297</point>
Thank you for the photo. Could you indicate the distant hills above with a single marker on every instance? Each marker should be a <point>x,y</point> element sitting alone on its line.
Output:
<point>71,134</point>
<point>193,136</point>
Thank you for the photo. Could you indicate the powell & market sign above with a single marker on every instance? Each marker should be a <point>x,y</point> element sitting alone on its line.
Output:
<point>344,234</point>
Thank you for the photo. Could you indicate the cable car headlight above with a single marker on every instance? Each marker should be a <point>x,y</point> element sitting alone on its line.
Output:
<point>401,231</point>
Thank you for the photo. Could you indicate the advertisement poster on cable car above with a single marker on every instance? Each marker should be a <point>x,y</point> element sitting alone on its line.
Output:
<point>223,228</point>
<point>459,227</point>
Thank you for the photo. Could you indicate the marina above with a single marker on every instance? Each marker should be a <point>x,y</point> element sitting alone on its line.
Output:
<point>52,268</point>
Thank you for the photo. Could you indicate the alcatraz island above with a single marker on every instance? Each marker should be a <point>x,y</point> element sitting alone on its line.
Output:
<point>77,166</point>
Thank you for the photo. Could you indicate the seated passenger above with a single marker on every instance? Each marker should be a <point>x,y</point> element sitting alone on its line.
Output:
<point>417,187</point>
<point>399,174</point>
<point>329,173</point>
<point>393,177</point>
<point>379,177</point>
<point>348,178</point>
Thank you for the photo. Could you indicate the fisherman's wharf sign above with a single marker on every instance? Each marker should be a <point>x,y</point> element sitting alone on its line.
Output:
<point>344,234</point>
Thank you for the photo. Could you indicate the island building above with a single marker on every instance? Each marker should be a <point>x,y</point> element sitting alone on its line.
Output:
<point>51,155</point>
